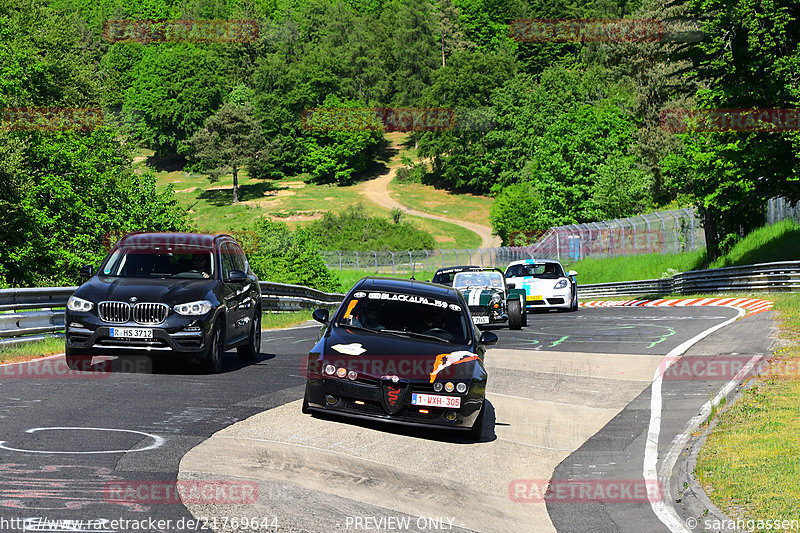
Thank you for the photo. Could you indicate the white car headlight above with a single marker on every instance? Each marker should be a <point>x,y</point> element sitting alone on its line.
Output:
<point>79,304</point>
<point>199,307</point>
<point>561,284</point>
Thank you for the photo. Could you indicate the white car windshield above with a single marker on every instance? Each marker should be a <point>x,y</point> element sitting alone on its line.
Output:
<point>536,270</point>
<point>464,280</point>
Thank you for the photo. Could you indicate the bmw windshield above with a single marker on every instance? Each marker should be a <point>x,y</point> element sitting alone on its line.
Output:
<point>172,262</point>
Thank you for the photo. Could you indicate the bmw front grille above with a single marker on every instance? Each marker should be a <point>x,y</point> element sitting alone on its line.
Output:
<point>114,312</point>
<point>148,314</point>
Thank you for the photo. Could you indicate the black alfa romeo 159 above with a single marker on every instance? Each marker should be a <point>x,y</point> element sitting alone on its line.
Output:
<point>400,351</point>
<point>163,294</point>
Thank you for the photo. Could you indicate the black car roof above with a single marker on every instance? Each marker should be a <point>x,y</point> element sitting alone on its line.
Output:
<point>421,288</point>
<point>199,240</point>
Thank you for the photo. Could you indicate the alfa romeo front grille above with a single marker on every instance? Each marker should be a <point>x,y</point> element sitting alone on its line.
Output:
<point>147,314</point>
<point>114,312</point>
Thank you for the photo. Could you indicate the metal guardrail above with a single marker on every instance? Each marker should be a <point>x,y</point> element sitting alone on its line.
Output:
<point>28,315</point>
<point>780,276</point>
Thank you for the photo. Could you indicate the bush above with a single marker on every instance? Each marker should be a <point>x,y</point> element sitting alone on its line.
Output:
<point>516,215</point>
<point>277,254</point>
<point>352,229</point>
<point>60,208</point>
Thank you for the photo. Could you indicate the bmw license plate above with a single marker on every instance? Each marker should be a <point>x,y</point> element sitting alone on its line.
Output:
<point>434,400</point>
<point>480,320</point>
<point>131,333</point>
<point>533,297</point>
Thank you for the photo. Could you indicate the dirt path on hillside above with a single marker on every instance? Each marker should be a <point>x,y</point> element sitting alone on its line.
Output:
<point>377,191</point>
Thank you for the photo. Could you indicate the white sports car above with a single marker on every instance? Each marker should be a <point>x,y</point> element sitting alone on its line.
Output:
<point>545,283</point>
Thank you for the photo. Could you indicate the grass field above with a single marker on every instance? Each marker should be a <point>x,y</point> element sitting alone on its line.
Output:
<point>750,464</point>
<point>779,242</point>
<point>429,199</point>
<point>290,200</point>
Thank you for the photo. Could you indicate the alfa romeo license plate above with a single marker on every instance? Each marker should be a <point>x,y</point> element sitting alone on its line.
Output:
<point>480,320</point>
<point>131,333</point>
<point>434,400</point>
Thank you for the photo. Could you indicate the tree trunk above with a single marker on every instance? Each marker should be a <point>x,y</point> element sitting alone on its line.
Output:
<point>712,238</point>
<point>235,184</point>
<point>442,48</point>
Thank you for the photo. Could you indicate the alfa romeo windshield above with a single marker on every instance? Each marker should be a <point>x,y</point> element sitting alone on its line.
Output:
<point>411,316</point>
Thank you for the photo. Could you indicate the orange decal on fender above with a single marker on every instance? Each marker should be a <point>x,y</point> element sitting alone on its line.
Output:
<point>443,360</point>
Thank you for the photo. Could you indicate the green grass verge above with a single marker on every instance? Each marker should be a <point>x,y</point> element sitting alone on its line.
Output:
<point>750,464</point>
<point>284,320</point>
<point>778,242</point>
<point>635,267</point>
<point>56,345</point>
<point>348,278</point>
<point>32,350</point>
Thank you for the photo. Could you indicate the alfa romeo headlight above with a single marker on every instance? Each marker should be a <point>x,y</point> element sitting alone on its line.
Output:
<point>79,304</point>
<point>199,307</point>
<point>561,284</point>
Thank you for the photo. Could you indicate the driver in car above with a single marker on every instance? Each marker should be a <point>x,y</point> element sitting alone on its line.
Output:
<point>200,264</point>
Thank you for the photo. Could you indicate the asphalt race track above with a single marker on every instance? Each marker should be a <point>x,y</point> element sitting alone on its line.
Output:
<point>569,398</point>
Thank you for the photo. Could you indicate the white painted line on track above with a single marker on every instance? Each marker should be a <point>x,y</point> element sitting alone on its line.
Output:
<point>663,508</point>
<point>157,441</point>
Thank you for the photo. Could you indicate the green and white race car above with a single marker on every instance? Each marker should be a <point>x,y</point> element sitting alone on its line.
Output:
<point>490,300</point>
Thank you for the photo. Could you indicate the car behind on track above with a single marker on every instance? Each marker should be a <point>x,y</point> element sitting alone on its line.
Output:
<point>546,284</point>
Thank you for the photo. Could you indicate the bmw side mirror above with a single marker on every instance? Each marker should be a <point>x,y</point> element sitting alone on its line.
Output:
<point>488,338</point>
<point>237,275</point>
<point>86,272</point>
<point>572,273</point>
<point>320,315</point>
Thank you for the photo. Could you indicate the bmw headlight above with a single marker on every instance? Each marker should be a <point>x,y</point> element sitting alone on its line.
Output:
<point>199,307</point>
<point>79,304</point>
<point>495,298</point>
<point>561,284</point>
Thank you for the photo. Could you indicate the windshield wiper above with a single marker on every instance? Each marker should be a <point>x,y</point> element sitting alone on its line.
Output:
<point>416,335</point>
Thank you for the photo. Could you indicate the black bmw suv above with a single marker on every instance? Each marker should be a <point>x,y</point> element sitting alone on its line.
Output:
<point>162,294</point>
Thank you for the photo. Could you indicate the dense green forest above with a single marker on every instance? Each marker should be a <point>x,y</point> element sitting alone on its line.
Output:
<point>574,129</point>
